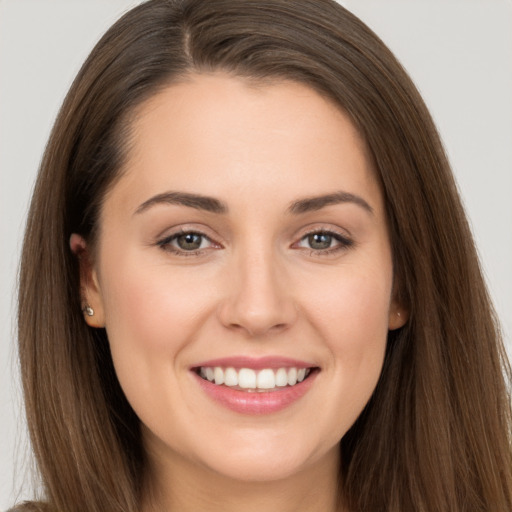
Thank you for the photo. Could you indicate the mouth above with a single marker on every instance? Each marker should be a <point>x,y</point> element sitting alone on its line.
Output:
<point>252,380</point>
<point>255,386</point>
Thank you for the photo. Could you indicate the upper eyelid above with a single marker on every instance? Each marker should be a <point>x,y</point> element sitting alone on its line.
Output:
<point>334,234</point>
<point>343,233</point>
<point>343,240</point>
<point>173,236</point>
<point>181,229</point>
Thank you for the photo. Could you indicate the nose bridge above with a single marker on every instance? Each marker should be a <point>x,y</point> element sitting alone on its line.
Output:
<point>258,300</point>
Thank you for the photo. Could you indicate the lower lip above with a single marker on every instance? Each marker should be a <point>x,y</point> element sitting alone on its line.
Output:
<point>256,402</point>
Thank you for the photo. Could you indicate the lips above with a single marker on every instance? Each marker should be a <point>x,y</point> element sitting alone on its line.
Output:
<point>255,386</point>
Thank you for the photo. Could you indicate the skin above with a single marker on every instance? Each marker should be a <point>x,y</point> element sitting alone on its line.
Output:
<point>255,288</point>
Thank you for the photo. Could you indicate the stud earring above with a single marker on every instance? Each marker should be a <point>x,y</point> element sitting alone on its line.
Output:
<point>398,314</point>
<point>88,310</point>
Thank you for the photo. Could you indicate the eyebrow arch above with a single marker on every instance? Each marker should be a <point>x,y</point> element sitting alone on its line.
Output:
<point>199,202</point>
<point>311,204</point>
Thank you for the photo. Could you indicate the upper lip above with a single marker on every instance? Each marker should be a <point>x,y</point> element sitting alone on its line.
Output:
<point>255,363</point>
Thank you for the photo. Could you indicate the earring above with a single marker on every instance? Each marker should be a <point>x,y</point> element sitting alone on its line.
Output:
<point>88,310</point>
<point>398,314</point>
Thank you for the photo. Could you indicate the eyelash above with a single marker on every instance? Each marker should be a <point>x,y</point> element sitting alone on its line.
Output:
<point>165,243</point>
<point>343,244</point>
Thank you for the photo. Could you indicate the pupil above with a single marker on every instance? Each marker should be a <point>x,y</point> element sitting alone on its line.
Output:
<point>189,241</point>
<point>320,241</point>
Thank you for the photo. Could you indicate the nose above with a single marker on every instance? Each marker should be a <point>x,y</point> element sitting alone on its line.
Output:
<point>258,301</point>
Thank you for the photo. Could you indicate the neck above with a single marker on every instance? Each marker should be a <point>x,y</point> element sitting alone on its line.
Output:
<point>180,485</point>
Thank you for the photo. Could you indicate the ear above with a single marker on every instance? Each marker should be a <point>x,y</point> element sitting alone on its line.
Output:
<point>398,314</point>
<point>398,317</point>
<point>90,291</point>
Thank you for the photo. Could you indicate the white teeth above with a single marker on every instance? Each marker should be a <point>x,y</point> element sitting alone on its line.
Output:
<point>266,379</point>
<point>230,377</point>
<point>246,378</point>
<point>210,374</point>
<point>281,377</point>
<point>218,375</point>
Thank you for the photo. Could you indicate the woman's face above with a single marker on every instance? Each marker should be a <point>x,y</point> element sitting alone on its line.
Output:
<point>246,242</point>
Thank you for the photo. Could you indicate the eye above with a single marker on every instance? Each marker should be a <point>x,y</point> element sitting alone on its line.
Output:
<point>190,241</point>
<point>324,242</point>
<point>318,241</point>
<point>186,243</point>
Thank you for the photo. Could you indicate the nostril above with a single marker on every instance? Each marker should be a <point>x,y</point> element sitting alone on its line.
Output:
<point>278,327</point>
<point>258,330</point>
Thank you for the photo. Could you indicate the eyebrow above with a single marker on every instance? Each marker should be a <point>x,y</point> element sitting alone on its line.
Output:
<point>199,202</point>
<point>213,205</point>
<point>311,204</point>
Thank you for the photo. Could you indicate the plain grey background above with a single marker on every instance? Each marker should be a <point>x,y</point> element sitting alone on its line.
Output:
<point>459,53</point>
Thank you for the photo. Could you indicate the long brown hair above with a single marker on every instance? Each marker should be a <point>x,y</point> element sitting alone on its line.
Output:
<point>435,436</point>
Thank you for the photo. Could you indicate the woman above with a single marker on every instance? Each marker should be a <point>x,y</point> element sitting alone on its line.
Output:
<point>248,281</point>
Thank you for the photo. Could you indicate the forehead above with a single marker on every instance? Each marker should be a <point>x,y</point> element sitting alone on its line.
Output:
<point>222,134</point>
<point>216,103</point>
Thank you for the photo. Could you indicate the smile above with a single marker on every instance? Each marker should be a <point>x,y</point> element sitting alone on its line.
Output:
<point>247,379</point>
<point>255,386</point>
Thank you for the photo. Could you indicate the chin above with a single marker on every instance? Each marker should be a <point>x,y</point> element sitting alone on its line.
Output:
<point>266,459</point>
<point>260,469</point>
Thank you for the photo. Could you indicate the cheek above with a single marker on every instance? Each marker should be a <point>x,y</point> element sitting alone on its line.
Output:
<point>352,307</point>
<point>150,305</point>
<point>152,314</point>
<point>352,320</point>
